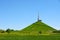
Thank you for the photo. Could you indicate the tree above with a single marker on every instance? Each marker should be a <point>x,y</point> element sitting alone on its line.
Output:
<point>8,30</point>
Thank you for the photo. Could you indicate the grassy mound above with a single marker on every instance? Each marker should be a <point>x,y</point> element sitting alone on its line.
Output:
<point>37,27</point>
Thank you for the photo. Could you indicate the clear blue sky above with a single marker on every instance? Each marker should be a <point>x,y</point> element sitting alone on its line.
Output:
<point>18,14</point>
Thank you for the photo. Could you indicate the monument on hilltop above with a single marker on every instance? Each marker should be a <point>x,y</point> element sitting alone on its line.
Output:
<point>37,28</point>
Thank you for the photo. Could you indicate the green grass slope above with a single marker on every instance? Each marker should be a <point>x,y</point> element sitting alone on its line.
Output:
<point>37,27</point>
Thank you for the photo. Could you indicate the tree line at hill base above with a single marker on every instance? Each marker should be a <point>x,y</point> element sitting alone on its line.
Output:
<point>11,30</point>
<point>7,30</point>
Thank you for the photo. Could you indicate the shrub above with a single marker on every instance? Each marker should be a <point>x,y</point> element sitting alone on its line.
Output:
<point>2,31</point>
<point>56,31</point>
<point>40,32</point>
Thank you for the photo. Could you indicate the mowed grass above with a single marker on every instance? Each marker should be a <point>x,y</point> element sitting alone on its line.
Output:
<point>29,37</point>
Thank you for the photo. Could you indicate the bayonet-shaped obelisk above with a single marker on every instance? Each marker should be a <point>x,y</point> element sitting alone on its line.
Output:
<point>38,17</point>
